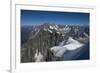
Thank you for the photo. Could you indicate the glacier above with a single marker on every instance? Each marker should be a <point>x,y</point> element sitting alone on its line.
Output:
<point>71,44</point>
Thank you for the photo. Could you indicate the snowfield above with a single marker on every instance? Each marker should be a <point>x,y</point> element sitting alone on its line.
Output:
<point>72,44</point>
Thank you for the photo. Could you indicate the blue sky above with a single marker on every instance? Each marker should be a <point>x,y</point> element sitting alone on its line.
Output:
<point>33,17</point>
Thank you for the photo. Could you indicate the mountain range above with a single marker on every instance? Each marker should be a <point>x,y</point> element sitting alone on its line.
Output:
<point>54,42</point>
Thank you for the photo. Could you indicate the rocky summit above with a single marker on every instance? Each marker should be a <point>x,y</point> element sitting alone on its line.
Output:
<point>54,42</point>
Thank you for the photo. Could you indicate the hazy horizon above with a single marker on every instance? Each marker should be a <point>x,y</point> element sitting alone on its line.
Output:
<point>36,17</point>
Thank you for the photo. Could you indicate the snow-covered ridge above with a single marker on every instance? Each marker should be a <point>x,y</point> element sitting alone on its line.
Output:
<point>50,28</point>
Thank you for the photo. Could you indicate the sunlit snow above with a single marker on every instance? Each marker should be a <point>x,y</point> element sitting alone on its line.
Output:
<point>71,45</point>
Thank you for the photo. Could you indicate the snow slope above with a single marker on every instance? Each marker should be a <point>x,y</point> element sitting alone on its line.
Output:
<point>71,44</point>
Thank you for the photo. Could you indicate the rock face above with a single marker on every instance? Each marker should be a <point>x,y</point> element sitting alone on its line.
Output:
<point>37,41</point>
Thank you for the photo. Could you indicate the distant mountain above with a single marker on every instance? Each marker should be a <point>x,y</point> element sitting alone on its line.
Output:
<point>38,40</point>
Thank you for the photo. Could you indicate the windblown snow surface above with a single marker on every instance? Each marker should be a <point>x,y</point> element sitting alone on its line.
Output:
<point>71,45</point>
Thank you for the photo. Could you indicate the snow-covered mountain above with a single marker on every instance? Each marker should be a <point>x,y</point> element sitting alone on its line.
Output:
<point>51,42</point>
<point>71,44</point>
